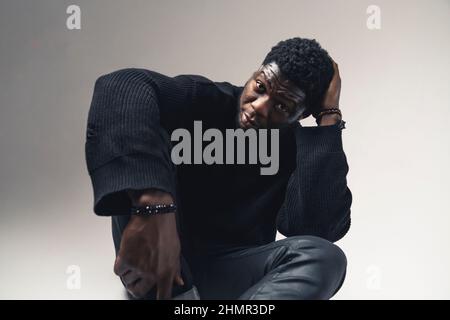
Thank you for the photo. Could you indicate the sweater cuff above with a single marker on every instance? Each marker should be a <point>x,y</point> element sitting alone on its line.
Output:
<point>319,138</point>
<point>335,232</point>
<point>133,171</point>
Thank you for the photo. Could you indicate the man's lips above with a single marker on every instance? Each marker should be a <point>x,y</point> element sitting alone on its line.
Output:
<point>248,120</point>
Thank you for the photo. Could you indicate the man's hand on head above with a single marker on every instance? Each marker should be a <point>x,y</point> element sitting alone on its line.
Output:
<point>149,253</point>
<point>331,99</point>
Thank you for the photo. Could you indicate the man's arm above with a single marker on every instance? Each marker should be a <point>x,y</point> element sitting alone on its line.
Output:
<point>317,199</point>
<point>127,154</point>
<point>131,116</point>
<point>128,158</point>
<point>126,147</point>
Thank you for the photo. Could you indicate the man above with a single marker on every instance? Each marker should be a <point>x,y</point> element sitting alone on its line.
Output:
<point>216,237</point>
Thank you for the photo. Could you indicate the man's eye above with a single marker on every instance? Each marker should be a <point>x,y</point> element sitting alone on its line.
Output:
<point>282,108</point>
<point>260,86</point>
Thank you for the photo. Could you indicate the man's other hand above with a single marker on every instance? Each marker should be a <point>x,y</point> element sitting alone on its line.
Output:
<point>149,253</point>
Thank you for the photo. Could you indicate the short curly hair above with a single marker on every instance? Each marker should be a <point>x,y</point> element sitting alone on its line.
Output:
<point>305,63</point>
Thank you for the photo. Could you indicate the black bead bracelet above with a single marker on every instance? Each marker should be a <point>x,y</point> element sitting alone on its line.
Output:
<point>154,209</point>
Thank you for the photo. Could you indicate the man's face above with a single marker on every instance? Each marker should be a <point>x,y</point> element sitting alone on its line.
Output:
<point>269,100</point>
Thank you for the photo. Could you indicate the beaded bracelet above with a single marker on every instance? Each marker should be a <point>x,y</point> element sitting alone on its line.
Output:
<point>155,209</point>
<point>327,111</point>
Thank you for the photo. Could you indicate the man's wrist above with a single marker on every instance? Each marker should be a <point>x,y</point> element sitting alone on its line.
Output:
<point>149,210</point>
<point>329,119</point>
<point>146,197</point>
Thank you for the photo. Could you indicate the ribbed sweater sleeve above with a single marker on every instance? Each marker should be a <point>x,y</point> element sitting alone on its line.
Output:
<point>126,147</point>
<point>317,200</point>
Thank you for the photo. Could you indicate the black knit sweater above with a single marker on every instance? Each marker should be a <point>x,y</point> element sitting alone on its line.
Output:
<point>132,115</point>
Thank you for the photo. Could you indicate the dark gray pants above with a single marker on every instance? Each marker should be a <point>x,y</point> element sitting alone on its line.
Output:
<point>300,267</point>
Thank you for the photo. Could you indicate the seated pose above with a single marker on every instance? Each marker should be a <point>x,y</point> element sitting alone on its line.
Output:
<point>205,229</point>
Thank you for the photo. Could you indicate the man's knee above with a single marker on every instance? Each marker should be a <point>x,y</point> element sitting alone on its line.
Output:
<point>320,248</point>
<point>328,252</point>
<point>327,259</point>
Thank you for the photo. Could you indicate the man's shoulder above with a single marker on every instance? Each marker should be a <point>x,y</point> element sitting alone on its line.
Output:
<point>121,79</point>
<point>198,88</point>
<point>202,83</point>
<point>207,87</point>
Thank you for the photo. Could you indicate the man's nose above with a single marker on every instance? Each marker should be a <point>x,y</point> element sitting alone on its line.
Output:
<point>261,106</point>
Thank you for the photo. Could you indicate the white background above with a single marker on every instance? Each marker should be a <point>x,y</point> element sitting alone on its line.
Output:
<point>395,99</point>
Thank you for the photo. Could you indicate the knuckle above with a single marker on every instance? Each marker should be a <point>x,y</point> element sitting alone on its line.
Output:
<point>116,268</point>
<point>135,293</point>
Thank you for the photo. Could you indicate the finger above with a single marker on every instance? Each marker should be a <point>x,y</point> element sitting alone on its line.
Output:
<point>179,280</point>
<point>120,268</point>
<point>332,60</point>
<point>134,288</point>
<point>335,68</point>
<point>129,277</point>
<point>140,288</point>
<point>164,288</point>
